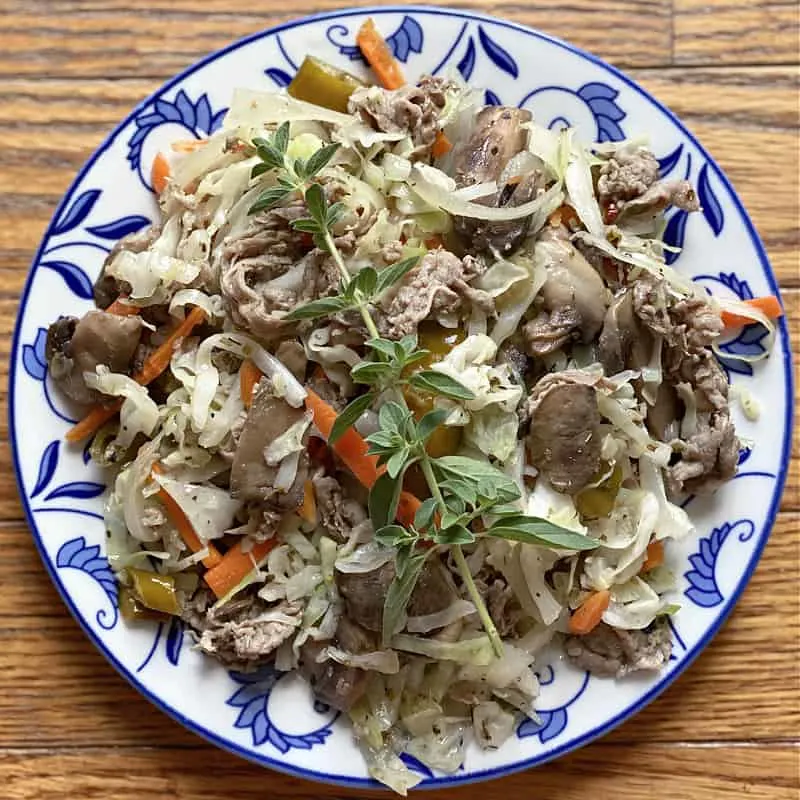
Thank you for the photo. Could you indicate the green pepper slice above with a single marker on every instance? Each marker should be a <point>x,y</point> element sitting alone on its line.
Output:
<point>324,85</point>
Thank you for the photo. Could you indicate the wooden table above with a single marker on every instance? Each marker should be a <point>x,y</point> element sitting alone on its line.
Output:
<point>71,728</point>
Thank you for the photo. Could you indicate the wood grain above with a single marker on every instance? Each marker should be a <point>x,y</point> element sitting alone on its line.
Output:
<point>602,772</point>
<point>93,37</point>
<point>728,728</point>
<point>735,31</point>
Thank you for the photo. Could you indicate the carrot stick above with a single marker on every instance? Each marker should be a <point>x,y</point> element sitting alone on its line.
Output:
<point>249,376</point>
<point>188,145</point>
<point>308,510</point>
<point>160,358</point>
<point>589,614</point>
<point>235,566</point>
<point>93,421</point>
<point>770,306</point>
<point>655,556</point>
<point>185,529</point>
<point>441,145</point>
<point>352,449</point>
<point>379,56</point>
<point>153,367</point>
<point>122,309</point>
<point>161,172</point>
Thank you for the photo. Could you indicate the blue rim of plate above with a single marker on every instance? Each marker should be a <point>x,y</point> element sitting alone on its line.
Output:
<point>600,730</point>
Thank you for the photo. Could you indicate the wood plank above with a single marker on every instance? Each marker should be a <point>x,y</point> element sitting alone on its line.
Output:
<point>735,31</point>
<point>601,771</point>
<point>112,38</point>
<point>759,640</point>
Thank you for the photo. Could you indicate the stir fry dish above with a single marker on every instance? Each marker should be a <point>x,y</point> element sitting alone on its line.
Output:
<point>401,394</point>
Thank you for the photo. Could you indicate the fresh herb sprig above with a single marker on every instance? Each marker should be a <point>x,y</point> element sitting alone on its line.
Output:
<point>293,176</point>
<point>463,490</point>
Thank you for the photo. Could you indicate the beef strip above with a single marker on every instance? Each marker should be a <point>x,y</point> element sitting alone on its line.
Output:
<point>338,514</point>
<point>564,439</point>
<point>266,271</point>
<point>410,110</point>
<point>238,633</point>
<point>438,285</point>
<point>709,456</point>
<point>628,174</point>
<point>77,346</point>
<point>611,652</point>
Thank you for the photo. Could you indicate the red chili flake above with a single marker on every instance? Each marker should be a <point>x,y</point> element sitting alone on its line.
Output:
<point>611,213</point>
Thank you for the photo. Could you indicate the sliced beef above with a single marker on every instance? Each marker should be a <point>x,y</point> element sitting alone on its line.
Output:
<point>610,652</point>
<point>628,174</point>
<point>78,346</point>
<point>243,633</point>
<point>564,439</point>
<point>678,193</point>
<point>438,285</point>
<point>708,456</point>
<point>499,135</point>
<point>252,479</point>
<point>338,514</point>
<point>574,296</point>
<point>364,593</point>
<point>266,271</point>
<point>410,110</point>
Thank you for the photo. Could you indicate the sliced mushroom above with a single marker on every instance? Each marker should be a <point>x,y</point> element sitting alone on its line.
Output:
<point>364,593</point>
<point>78,346</point>
<point>574,296</point>
<point>499,136</point>
<point>564,439</point>
<point>252,479</point>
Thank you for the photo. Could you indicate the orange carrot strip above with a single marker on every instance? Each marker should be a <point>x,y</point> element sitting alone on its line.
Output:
<point>160,173</point>
<point>770,306</point>
<point>249,376</point>
<point>589,614</point>
<point>379,56</point>
<point>655,556</point>
<point>407,508</point>
<point>235,566</point>
<point>308,510</point>
<point>122,309</point>
<point>351,447</point>
<point>153,367</point>
<point>188,145</point>
<point>441,145</point>
<point>185,529</point>
<point>92,422</point>
<point>159,360</point>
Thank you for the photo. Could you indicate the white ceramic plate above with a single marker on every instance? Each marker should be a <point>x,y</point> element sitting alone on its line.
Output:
<point>273,720</point>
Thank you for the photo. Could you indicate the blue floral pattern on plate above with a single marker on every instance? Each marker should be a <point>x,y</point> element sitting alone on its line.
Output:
<point>254,714</point>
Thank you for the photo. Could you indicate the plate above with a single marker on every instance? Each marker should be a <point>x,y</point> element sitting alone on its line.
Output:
<point>271,718</point>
